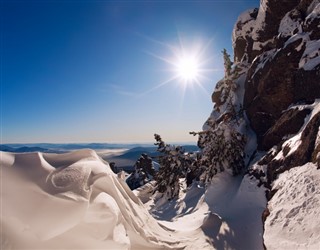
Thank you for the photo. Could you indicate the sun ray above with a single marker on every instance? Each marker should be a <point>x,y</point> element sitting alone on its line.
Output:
<point>202,88</point>
<point>158,86</point>
<point>159,57</point>
<point>188,64</point>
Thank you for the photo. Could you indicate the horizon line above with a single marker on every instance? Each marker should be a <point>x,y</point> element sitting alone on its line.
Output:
<point>116,143</point>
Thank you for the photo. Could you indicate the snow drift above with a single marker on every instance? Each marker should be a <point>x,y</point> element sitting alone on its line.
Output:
<point>72,201</point>
<point>75,201</point>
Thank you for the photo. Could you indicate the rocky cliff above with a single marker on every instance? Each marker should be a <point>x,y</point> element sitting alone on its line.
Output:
<point>273,88</point>
<point>275,82</point>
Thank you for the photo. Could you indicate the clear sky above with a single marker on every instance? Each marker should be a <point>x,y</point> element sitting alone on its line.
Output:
<point>109,71</point>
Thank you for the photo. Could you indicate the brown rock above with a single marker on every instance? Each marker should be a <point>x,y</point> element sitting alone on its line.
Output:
<point>274,12</point>
<point>302,155</point>
<point>271,89</point>
<point>243,44</point>
<point>289,123</point>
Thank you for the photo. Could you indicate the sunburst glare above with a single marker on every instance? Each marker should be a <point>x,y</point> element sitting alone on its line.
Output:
<point>188,64</point>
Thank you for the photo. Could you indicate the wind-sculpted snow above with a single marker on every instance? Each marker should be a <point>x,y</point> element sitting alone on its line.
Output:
<point>72,201</point>
<point>75,201</point>
<point>226,215</point>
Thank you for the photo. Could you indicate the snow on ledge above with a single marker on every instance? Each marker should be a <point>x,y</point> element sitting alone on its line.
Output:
<point>311,56</point>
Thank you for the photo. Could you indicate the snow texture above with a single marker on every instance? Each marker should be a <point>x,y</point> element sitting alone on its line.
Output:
<point>288,26</point>
<point>260,20</point>
<point>311,56</point>
<point>313,10</point>
<point>264,58</point>
<point>244,25</point>
<point>294,220</point>
<point>224,214</point>
<point>73,201</point>
<point>294,141</point>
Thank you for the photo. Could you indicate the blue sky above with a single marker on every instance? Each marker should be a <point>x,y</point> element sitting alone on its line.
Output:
<point>98,71</point>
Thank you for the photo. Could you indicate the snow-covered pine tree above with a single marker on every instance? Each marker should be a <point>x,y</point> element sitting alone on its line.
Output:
<point>222,144</point>
<point>143,172</point>
<point>227,64</point>
<point>174,164</point>
<point>222,149</point>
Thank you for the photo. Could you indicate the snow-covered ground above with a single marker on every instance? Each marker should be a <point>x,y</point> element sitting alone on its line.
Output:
<point>227,214</point>
<point>74,201</point>
<point>294,217</point>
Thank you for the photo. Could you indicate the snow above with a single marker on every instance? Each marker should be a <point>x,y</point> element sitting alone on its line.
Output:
<point>317,143</point>
<point>259,45</point>
<point>313,10</point>
<point>240,204</point>
<point>288,26</point>
<point>311,56</point>
<point>263,59</point>
<point>294,220</point>
<point>260,20</point>
<point>244,25</point>
<point>294,217</point>
<point>225,214</point>
<point>294,141</point>
<point>44,207</point>
<point>304,36</point>
<point>49,200</point>
<point>110,152</point>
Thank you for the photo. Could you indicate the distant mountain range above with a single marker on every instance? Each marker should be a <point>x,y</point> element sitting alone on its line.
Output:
<point>125,160</point>
<point>65,146</point>
<point>49,147</point>
<point>27,149</point>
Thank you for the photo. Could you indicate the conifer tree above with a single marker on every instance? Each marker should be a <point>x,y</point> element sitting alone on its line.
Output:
<point>221,143</point>
<point>173,165</point>
<point>143,172</point>
<point>227,64</point>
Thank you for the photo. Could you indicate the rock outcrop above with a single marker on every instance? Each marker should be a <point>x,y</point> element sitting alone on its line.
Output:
<point>286,67</point>
<point>273,88</point>
<point>276,77</point>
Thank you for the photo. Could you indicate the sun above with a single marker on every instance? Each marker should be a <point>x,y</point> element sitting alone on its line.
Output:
<point>188,68</point>
<point>188,63</point>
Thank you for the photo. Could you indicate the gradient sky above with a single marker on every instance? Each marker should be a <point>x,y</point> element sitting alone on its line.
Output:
<point>99,71</point>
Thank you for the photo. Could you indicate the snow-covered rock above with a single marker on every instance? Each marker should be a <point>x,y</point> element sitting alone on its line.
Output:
<point>286,70</point>
<point>277,51</point>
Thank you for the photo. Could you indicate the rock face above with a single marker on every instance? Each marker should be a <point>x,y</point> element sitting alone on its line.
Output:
<point>274,89</point>
<point>276,77</point>
<point>271,98</point>
<point>285,73</point>
<point>289,123</point>
<point>281,73</point>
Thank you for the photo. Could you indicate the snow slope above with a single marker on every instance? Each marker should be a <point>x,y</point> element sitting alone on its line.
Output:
<point>293,222</point>
<point>227,215</point>
<point>74,201</point>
